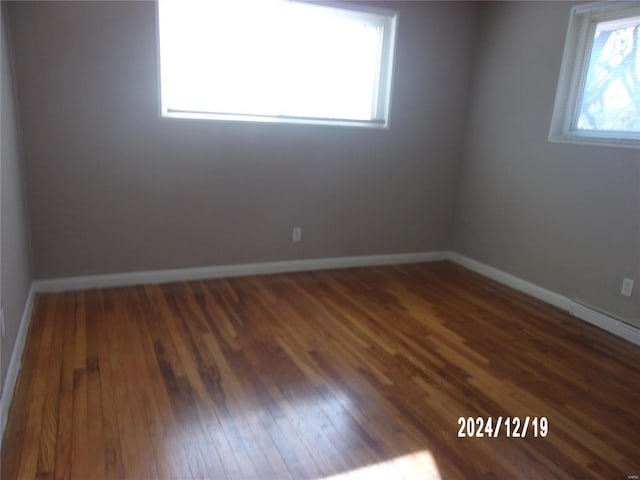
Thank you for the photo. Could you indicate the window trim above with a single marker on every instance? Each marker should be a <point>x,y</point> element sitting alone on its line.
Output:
<point>573,71</point>
<point>382,104</point>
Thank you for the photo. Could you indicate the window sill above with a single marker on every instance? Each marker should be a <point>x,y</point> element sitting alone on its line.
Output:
<point>334,122</point>
<point>579,139</point>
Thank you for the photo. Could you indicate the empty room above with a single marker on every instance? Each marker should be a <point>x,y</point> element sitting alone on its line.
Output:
<point>296,239</point>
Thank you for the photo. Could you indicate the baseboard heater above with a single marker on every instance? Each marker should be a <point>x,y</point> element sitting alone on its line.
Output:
<point>605,321</point>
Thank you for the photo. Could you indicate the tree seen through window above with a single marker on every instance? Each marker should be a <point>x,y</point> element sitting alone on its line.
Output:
<point>611,93</point>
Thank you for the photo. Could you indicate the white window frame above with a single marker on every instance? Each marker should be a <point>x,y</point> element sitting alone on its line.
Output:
<point>575,60</point>
<point>387,19</point>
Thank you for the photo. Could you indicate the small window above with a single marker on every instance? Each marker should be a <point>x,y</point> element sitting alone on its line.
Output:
<point>275,61</point>
<point>598,96</point>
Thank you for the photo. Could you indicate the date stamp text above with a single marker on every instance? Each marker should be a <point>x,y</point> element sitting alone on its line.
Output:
<point>509,427</point>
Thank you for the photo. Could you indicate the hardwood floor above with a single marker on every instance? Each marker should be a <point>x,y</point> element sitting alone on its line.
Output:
<point>357,373</point>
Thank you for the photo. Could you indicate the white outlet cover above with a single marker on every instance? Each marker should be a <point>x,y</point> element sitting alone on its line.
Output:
<point>627,287</point>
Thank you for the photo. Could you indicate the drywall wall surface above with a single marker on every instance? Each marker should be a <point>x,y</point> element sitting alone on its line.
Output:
<point>15,263</point>
<point>565,217</point>
<point>113,187</point>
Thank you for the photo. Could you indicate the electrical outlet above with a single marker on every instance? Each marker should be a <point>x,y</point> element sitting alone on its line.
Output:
<point>627,287</point>
<point>1,322</point>
<point>297,234</point>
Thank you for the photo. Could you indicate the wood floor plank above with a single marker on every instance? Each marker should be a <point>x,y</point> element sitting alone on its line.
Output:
<point>80,460</point>
<point>209,431</point>
<point>130,429</point>
<point>14,440</point>
<point>168,433</point>
<point>65,410</point>
<point>48,433</point>
<point>95,435</point>
<point>257,420</point>
<point>35,399</point>
<point>359,373</point>
<point>142,393</point>
<point>181,413</point>
<point>113,463</point>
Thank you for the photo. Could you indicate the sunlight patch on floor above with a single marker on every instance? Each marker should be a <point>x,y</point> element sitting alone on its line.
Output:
<point>418,465</point>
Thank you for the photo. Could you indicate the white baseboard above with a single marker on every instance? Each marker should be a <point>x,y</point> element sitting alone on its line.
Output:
<point>512,281</point>
<point>225,271</point>
<point>599,319</point>
<point>606,322</point>
<point>16,361</point>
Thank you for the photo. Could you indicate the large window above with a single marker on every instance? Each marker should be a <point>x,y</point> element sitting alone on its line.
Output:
<point>598,97</point>
<point>275,61</point>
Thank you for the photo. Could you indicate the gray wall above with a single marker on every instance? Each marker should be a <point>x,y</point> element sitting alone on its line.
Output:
<point>113,188</point>
<point>15,264</point>
<point>565,217</point>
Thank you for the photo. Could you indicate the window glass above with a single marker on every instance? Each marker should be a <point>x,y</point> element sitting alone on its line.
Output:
<point>271,60</point>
